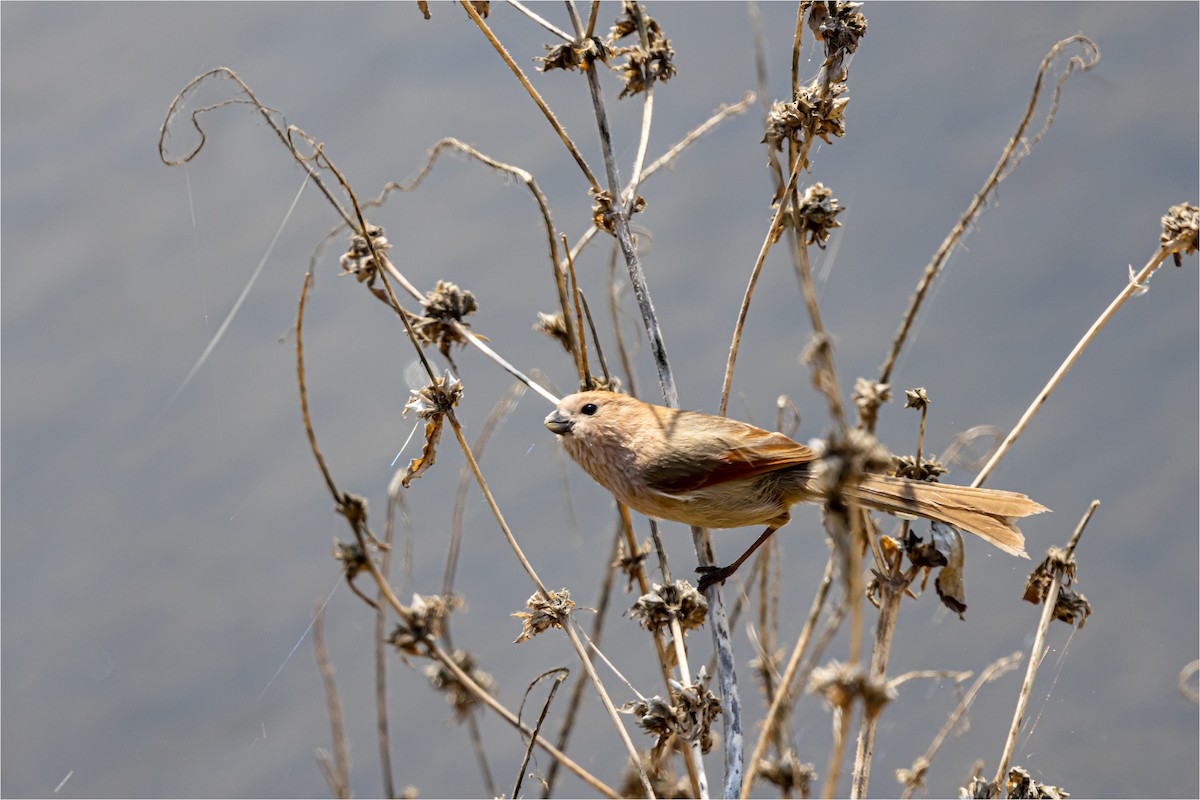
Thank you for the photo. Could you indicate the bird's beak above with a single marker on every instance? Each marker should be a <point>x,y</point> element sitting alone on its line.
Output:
<point>558,423</point>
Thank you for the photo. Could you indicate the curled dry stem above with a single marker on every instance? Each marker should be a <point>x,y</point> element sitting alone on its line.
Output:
<point>1016,149</point>
<point>267,114</point>
<point>389,595</point>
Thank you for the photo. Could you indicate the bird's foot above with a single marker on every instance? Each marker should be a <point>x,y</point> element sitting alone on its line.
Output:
<point>711,575</point>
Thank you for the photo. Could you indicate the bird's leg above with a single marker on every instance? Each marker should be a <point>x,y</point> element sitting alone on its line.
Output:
<point>711,575</point>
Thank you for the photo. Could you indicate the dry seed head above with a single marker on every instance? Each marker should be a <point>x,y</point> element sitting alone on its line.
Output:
<point>839,25</point>
<point>456,693</point>
<point>678,601</point>
<point>544,613</point>
<point>435,399</point>
<point>351,554</point>
<point>1181,222</point>
<point>426,619</point>
<point>1021,784</point>
<point>358,261</point>
<point>443,307</point>
<point>793,778</point>
<point>841,684</point>
<point>928,470</point>
<point>688,714</point>
<point>554,326</point>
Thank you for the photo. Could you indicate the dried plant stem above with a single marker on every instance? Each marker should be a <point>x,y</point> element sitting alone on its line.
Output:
<point>825,373</point>
<point>337,769</point>
<point>560,675</point>
<point>755,271</point>
<point>580,650</point>
<point>637,277</point>
<point>995,670</point>
<point>783,696</point>
<point>840,524</point>
<point>686,679</point>
<point>533,93</point>
<point>891,591</point>
<point>1004,166</point>
<point>476,691</point>
<point>693,765</point>
<point>1136,285</point>
<point>568,723</point>
<point>647,112</point>
<point>264,111</point>
<point>385,588</point>
<point>557,31</point>
<point>841,730</point>
<point>381,706</point>
<point>726,110</point>
<point>1036,652</point>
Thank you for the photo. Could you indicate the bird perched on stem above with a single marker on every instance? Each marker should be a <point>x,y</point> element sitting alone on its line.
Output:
<point>714,472</point>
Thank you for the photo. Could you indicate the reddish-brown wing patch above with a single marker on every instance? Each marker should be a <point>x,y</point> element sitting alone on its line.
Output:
<point>714,451</point>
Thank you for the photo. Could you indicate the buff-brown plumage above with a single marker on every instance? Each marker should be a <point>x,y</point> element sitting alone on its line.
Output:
<point>714,472</point>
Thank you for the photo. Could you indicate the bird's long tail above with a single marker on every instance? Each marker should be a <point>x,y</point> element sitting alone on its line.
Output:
<point>988,513</point>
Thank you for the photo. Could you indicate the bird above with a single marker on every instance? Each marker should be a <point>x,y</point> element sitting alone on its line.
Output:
<point>714,472</point>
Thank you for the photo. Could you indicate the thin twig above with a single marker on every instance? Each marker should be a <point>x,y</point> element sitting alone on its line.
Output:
<point>560,675</point>
<point>755,271</point>
<point>568,629</point>
<point>784,696</point>
<point>557,31</point>
<point>1136,285</point>
<point>337,770</point>
<point>533,93</point>
<point>921,765</point>
<point>1035,652</point>
<point>1002,169</point>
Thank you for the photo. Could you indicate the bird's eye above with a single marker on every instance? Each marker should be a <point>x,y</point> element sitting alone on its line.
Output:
<point>589,409</point>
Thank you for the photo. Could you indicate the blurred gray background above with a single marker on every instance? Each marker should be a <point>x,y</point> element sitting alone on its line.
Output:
<point>156,574</point>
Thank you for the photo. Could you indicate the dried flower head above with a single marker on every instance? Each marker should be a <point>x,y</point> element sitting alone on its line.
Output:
<point>1021,784</point>
<point>816,217</point>
<point>813,112</point>
<point>1181,222</point>
<point>351,554</point>
<point>544,612</point>
<point>555,326</point>
<point>677,601</point>
<point>1070,604</point>
<point>916,398</point>
<point>431,403</point>
<point>929,469</point>
<point>869,395</point>
<point>457,694</point>
<point>839,25</point>
<point>426,619</point>
<point>570,56</point>
<point>358,261</point>
<point>846,456</point>
<point>629,563</point>
<point>688,714</point>
<point>841,684</point>
<point>643,65</point>
<point>444,309</point>
<point>793,778</point>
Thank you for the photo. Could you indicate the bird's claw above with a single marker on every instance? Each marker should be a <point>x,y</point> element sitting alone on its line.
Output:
<point>711,575</point>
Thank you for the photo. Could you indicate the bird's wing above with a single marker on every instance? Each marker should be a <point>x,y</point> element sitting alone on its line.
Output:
<point>730,452</point>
